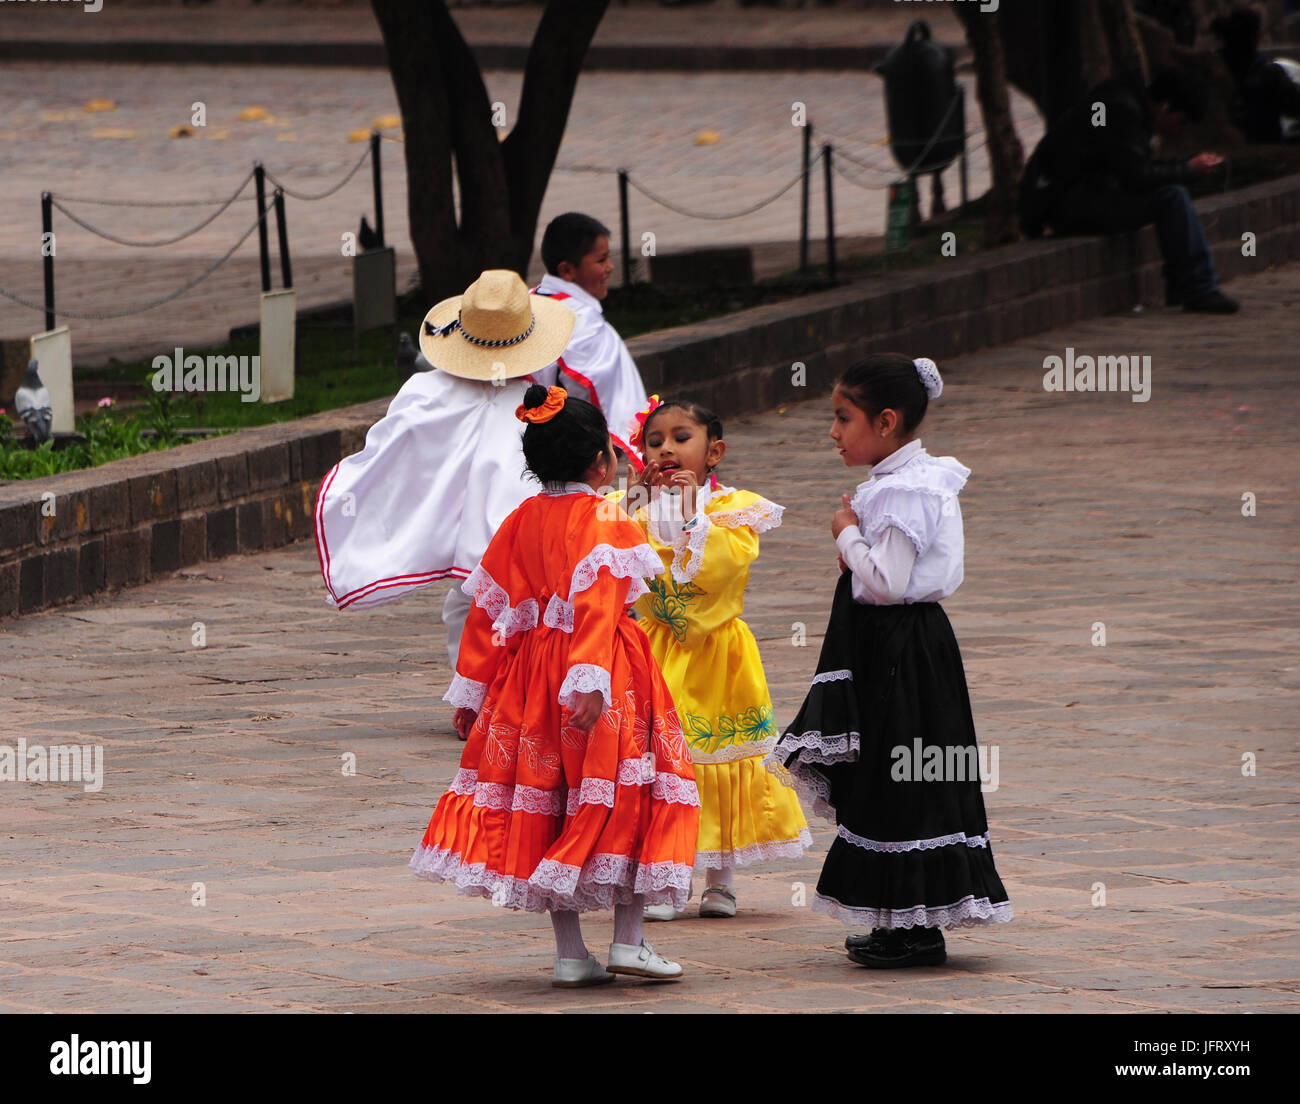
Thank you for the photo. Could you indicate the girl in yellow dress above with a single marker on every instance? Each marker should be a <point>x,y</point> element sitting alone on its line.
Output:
<point>707,536</point>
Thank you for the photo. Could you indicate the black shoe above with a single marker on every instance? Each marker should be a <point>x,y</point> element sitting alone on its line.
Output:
<point>1212,302</point>
<point>914,947</point>
<point>1173,296</point>
<point>878,935</point>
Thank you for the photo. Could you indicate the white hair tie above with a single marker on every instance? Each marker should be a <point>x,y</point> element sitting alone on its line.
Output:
<point>930,378</point>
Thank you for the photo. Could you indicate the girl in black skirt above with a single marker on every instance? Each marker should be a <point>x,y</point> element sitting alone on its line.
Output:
<point>885,743</point>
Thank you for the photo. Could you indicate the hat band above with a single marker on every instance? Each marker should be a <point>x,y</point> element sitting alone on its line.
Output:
<point>482,342</point>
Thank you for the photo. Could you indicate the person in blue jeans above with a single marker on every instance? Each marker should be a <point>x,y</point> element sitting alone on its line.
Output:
<point>1095,172</point>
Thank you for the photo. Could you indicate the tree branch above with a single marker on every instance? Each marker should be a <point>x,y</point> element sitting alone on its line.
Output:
<point>554,65</point>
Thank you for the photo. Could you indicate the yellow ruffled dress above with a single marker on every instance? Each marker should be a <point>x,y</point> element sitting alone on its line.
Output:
<point>712,665</point>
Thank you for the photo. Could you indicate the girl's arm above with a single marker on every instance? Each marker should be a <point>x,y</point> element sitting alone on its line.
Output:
<point>477,659</point>
<point>881,571</point>
<point>596,611</point>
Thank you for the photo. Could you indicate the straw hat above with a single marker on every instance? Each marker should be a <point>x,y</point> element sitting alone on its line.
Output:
<point>496,330</point>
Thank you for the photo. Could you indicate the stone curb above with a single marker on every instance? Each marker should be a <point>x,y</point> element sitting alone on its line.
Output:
<point>619,57</point>
<point>70,536</point>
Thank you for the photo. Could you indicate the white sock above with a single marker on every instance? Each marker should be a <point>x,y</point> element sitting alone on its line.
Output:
<point>627,921</point>
<point>722,878</point>
<point>568,935</point>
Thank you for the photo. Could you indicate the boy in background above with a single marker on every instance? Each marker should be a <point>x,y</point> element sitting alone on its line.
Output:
<point>596,365</point>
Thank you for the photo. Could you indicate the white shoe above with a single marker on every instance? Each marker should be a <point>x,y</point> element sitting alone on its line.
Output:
<point>718,901</point>
<point>625,958</point>
<point>662,912</point>
<point>577,973</point>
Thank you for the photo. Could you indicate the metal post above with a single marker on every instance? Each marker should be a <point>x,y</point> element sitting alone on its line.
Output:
<point>624,235</point>
<point>375,139</point>
<point>286,273</point>
<point>803,197</point>
<point>259,177</point>
<point>962,89</point>
<point>830,212</point>
<point>47,249</point>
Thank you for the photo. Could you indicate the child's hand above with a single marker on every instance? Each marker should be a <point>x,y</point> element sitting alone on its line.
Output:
<point>649,475</point>
<point>689,484</point>
<point>464,721</point>
<point>586,710</point>
<point>844,517</point>
<point>639,493</point>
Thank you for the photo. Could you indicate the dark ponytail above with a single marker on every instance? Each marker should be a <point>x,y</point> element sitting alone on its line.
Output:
<point>562,449</point>
<point>887,381</point>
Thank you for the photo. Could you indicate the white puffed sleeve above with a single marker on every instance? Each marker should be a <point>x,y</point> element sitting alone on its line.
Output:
<point>914,513</point>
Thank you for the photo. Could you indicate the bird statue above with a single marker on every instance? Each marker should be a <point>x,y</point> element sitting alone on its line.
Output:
<point>409,359</point>
<point>367,237</point>
<point>32,402</point>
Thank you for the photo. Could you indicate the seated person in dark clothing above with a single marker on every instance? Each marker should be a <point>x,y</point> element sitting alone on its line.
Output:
<point>1264,92</point>
<point>1096,173</point>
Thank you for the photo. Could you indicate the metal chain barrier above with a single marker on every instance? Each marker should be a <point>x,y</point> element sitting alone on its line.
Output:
<point>160,202</point>
<point>164,241</point>
<point>99,316</point>
<point>889,175</point>
<point>706,215</point>
<point>329,191</point>
<point>864,185</point>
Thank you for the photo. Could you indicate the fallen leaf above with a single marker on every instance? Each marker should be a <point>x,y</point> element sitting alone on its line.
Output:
<point>252,114</point>
<point>93,106</point>
<point>706,138</point>
<point>386,122</point>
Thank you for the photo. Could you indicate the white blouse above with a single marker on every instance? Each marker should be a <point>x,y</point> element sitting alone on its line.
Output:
<point>908,544</point>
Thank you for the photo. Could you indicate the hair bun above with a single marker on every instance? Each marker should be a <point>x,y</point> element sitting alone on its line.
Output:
<point>930,378</point>
<point>535,395</point>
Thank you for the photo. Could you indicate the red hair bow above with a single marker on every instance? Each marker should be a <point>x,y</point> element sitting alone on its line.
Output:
<point>636,435</point>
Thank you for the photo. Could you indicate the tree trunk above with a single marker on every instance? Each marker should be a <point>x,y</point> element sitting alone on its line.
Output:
<point>1128,57</point>
<point>1043,50</point>
<point>1006,155</point>
<point>447,118</point>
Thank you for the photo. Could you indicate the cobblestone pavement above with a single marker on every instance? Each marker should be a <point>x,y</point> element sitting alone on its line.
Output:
<point>647,123</point>
<point>1147,870</point>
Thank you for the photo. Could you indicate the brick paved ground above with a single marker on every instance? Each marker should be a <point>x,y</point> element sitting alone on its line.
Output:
<point>1119,765</point>
<point>647,123</point>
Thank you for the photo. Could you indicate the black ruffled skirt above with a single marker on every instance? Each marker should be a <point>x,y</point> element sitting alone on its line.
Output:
<point>885,746</point>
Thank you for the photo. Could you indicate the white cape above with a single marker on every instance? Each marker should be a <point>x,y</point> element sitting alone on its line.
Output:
<point>445,467</point>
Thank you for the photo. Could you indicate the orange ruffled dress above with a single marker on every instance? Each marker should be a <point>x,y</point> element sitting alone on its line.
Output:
<point>542,815</point>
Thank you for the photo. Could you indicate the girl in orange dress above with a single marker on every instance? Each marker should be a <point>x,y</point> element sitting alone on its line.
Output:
<point>575,790</point>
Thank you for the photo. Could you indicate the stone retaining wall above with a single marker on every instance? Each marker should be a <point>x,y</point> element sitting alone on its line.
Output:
<point>68,536</point>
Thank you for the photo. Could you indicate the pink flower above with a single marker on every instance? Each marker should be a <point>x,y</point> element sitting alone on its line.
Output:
<point>105,402</point>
